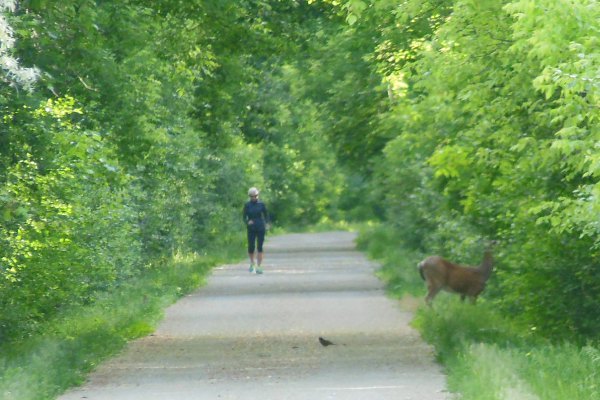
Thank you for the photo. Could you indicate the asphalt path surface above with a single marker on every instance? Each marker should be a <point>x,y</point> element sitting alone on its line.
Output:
<point>248,336</point>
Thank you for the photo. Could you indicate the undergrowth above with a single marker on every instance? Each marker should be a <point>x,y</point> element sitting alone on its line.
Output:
<point>486,355</point>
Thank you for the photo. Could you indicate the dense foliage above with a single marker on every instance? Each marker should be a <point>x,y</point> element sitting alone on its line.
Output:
<point>450,121</point>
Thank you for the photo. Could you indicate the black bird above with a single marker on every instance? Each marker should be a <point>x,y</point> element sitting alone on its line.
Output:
<point>325,342</point>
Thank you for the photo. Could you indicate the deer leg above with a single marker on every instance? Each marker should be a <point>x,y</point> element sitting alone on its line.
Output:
<point>432,291</point>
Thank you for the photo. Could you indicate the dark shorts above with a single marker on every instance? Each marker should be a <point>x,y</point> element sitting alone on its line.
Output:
<point>256,238</point>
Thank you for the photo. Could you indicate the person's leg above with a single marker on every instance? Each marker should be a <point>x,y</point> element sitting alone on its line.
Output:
<point>260,236</point>
<point>251,247</point>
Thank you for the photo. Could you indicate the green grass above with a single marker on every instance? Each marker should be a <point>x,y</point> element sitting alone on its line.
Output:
<point>72,345</point>
<point>486,355</point>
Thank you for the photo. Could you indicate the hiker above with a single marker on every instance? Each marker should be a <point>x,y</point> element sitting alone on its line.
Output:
<point>256,219</point>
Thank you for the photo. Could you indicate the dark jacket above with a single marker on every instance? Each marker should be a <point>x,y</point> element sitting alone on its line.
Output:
<point>256,212</point>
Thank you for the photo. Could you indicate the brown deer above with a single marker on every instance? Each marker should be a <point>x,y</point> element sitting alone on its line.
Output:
<point>441,274</point>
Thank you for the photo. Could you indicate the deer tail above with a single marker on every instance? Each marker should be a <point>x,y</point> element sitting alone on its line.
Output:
<point>420,267</point>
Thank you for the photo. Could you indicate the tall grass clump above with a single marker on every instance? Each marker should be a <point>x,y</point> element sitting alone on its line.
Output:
<point>450,324</point>
<point>481,371</point>
<point>488,356</point>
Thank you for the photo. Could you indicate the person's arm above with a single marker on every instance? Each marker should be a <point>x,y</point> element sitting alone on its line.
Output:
<point>245,214</point>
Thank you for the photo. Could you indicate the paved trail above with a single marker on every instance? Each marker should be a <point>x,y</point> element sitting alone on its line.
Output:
<point>247,336</point>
